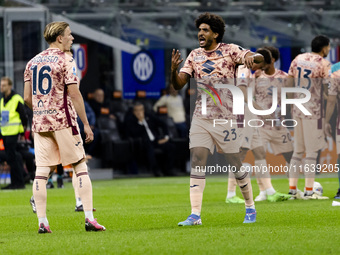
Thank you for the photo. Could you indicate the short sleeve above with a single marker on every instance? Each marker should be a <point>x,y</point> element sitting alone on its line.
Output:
<point>237,53</point>
<point>188,65</point>
<point>70,71</point>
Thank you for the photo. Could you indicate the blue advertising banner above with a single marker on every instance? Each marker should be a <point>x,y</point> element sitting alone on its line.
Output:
<point>143,71</point>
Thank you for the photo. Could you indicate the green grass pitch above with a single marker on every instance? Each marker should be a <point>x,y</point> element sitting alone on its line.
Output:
<point>141,217</point>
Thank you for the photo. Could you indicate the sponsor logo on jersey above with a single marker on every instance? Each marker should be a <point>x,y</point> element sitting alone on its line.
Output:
<point>46,112</point>
<point>208,66</point>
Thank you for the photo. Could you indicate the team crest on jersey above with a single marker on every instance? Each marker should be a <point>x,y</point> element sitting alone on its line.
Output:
<point>199,58</point>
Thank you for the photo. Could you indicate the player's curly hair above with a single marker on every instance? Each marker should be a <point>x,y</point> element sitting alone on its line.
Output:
<point>274,51</point>
<point>319,42</point>
<point>267,56</point>
<point>215,22</point>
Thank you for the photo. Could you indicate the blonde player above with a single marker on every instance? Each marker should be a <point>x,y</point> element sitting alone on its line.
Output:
<point>214,62</point>
<point>51,91</point>
<point>311,72</point>
<point>79,205</point>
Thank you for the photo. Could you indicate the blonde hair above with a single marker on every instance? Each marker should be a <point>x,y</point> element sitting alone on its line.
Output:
<point>53,30</point>
<point>6,78</point>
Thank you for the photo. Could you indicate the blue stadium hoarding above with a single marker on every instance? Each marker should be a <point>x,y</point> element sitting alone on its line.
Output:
<point>143,71</point>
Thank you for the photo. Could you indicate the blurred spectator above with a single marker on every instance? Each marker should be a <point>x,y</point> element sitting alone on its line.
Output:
<point>99,105</point>
<point>153,134</point>
<point>174,103</point>
<point>3,159</point>
<point>13,118</point>
<point>24,147</point>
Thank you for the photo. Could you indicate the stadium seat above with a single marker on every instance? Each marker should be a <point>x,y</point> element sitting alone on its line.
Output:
<point>116,151</point>
<point>182,148</point>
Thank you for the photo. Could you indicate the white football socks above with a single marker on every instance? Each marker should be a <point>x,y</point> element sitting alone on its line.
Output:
<point>89,215</point>
<point>43,220</point>
<point>231,194</point>
<point>270,191</point>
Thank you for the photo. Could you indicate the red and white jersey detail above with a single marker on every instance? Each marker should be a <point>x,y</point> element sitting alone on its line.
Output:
<point>310,71</point>
<point>214,67</point>
<point>49,73</point>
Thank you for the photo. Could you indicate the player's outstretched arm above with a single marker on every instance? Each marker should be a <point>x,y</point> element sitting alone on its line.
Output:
<point>78,102</point>
<point>252,58</point>
<point>177,79</point>
<point>28,94</point>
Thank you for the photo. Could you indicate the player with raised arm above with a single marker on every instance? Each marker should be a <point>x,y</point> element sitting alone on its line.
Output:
<point>275,134</point>
<point>311,72</point>
<point>251,136</point>
<point>214,62</point>
<point>52,92</point>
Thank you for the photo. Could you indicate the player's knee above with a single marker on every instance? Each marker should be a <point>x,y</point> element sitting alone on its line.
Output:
<point>199,159</point>
<point>233,160</point>
<point>311,155</point>
<point>80,167</point>
<point>243,153</point>
<point>44,171</point>
<point>259,153</point>
<point>198,171</point>
<point>297,154</point>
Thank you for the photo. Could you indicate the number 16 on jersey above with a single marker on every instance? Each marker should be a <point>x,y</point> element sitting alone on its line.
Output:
<point>39,77</point>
